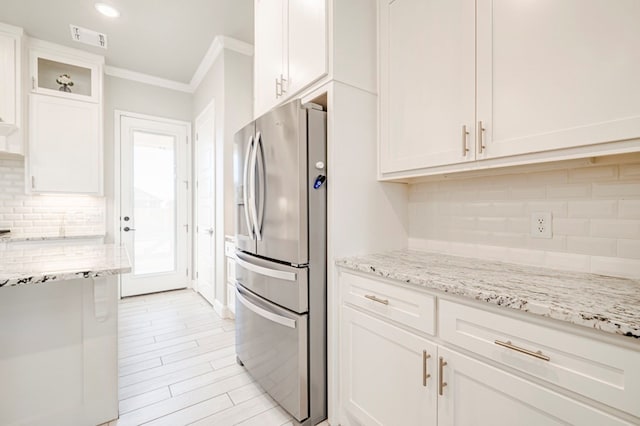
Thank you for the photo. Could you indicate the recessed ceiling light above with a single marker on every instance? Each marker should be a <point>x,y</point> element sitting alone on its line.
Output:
<point>107,10</point>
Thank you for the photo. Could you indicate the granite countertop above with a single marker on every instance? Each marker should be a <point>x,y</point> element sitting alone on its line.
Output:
<point>33,265</point>
<point>604,303</point>
<point>10,238</point>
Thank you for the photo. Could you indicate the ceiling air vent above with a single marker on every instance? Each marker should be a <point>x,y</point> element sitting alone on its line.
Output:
<point>89,37</point>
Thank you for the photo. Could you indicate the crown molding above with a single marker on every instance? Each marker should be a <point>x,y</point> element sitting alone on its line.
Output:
<point>147,79</point>
<point>218,45</point>
<point>215,49</point>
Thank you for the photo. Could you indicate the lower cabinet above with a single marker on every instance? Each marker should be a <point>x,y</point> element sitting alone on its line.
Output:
<point>388,374</point>
<point>394,374</point>
<point>476,394</point>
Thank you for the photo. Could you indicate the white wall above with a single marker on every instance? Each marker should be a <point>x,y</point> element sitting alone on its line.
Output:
<point>132,96</point>
<point>229,84</point>
<point>596,216</point>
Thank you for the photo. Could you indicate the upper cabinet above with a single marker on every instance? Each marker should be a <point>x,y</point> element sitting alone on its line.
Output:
<point>66,77</point>
<point>478,83</point>
<point>65,151</point>
<point>10,89</point>
<point>290,49</point>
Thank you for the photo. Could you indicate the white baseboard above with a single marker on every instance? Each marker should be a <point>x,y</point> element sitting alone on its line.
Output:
<point>222,310</point>
<point>612,266</point>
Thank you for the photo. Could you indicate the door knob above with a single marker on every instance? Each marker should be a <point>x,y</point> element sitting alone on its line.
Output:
<point>210,231</point>
<point>127,229</point>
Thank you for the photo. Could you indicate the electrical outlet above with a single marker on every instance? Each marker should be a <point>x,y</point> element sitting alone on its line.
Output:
<point>541,225</point>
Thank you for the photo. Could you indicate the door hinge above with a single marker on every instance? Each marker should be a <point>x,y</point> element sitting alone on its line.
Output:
<point>186,182</point>
<point>197,274</point>
<point>187,227</point>
<point>197,228</point>
<point>187,272</point>
<point>197,137</point>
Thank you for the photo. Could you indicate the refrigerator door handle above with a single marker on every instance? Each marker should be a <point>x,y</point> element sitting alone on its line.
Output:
<point>273,273</point>
<point>262,180</point>
<point>245,189</point>
<point>252,182</point>
<point>287,322</point>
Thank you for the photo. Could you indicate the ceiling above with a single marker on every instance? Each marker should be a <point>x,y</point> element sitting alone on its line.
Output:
<point>163,38</point>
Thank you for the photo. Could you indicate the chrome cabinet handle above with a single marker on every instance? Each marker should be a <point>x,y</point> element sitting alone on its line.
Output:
<point>509,345</point>
<point>465,133</point>
<point>481,130</point>
<point>282,82</point>
<point>441,383</point>
<point>375,299</point>
<point>425,374</point>
<point>278,86</point>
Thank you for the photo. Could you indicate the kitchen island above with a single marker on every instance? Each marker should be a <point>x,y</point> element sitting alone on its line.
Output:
<point>58,333</point>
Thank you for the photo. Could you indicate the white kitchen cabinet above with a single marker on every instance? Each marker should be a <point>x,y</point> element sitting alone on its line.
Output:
<point>427,83</point>
<point>477,394</point>
<point>10,89</point>
<point>555,75</point>
<point>529,81</point>
<point>65,149</point>
<point>395,371</point>
<point>290,49</point>
<point>47,67</point>
<point>388,374</point>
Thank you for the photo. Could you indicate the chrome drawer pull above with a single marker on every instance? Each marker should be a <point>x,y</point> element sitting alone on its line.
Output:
<point>425,375</point>
<point>375,299</point>
<point>510,345</point>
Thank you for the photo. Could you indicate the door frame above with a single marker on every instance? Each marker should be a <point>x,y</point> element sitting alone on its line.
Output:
<point>117,151</point>
<point>209,108</point>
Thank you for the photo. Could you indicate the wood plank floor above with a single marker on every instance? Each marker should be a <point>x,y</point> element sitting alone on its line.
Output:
<point>177,366</point>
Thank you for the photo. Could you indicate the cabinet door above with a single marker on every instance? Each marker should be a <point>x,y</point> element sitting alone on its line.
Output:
<point>557,74</point>
<point>64,145</point>
<point>477,394</point>
<point>427,83</point>
<point>382,373</point>
<point>306,43</point>
<point>8,81</point>
<point>269,52</point>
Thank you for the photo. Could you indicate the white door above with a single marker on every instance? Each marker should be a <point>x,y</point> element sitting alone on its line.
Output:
<point>153,204</point>
<point>427,83</point>
<point>205,205</point>
<point>385,373</point>
<point>477,394</point>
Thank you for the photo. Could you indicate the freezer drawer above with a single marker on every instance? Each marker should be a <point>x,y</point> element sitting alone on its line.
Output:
<point>271,342</point>
<point>281,284</point>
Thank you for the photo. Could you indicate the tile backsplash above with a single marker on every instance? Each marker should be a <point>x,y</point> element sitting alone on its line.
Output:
<point>45,215</point>
<point>595,214</point>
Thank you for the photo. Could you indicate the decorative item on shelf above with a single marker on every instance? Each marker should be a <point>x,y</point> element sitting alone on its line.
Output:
<point>64,80</point>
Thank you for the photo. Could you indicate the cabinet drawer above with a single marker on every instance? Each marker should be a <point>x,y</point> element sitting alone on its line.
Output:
<point>587,366</point>
<point>409,307</point>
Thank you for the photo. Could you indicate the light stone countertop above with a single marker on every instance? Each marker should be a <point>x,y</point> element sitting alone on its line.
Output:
<point>34,265</point>
<point>600,302</point>
<point>11,238</point>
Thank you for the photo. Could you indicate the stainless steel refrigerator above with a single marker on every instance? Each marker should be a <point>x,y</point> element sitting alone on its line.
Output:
<point>280,215</point>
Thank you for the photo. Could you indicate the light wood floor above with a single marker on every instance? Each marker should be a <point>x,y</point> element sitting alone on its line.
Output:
<point>177,367</point>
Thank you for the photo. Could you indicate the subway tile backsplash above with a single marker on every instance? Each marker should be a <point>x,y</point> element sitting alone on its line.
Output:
<point>595,209</point>
<point>45,215</point>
